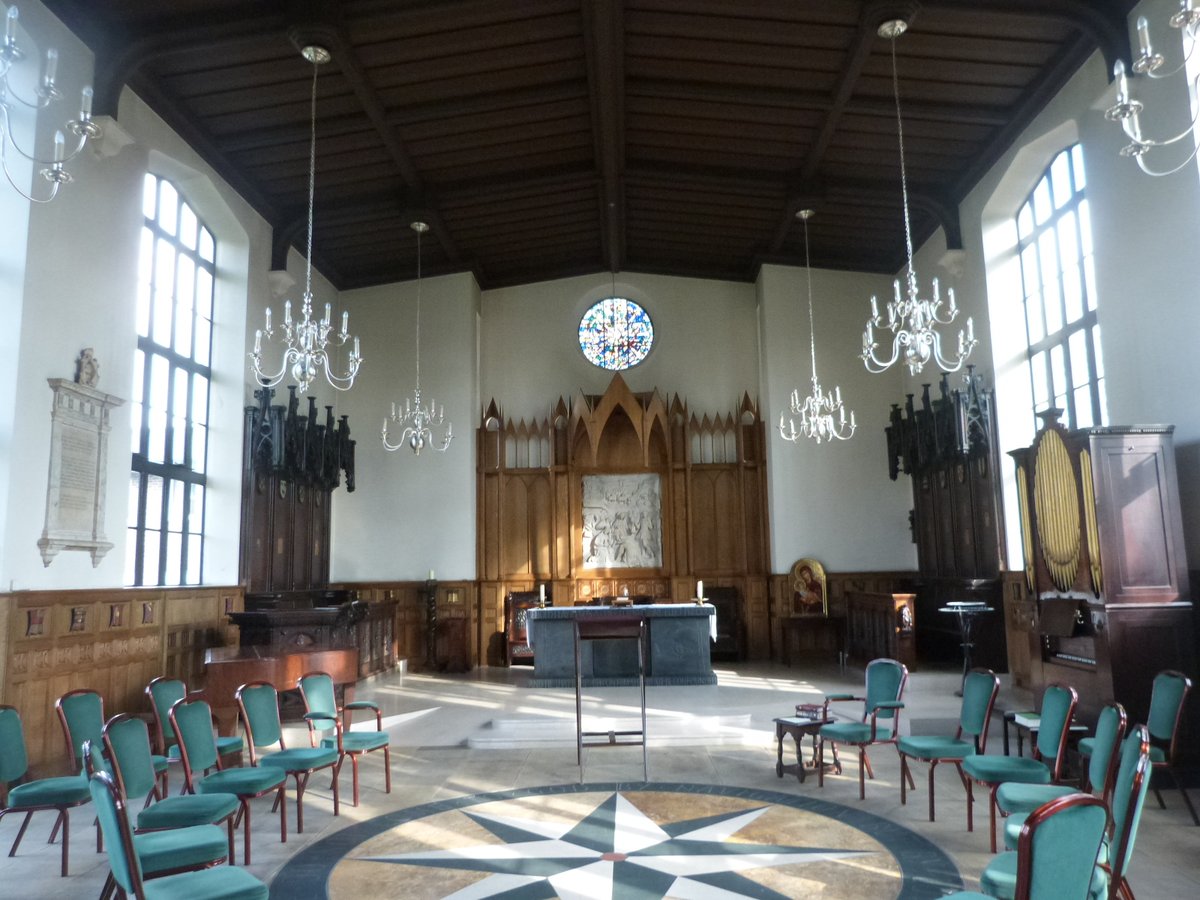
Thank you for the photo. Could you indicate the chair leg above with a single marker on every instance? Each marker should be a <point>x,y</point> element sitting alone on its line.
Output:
<point>970,804</point>
<point>301,784</point>
<point>283,812</point>
<point>903,780</point>
<point>820,760</point>
<point>244,815</point>
<point>354,772</point>
<point>66,840</point>
<point>229,827</point>
<point>1187,801</point>
<point>387,770</point>
<point>21,833</point>
<point>932,765</point>
<point>992,807</point>
<point>864,765</point>
<point>336,797</point>
<point>110,887</point>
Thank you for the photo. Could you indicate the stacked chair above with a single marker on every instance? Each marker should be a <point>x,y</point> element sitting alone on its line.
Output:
<point>980,688</point>
<point>880,722</point>
<point>321,712</point>
<point>191,720</point>
<point>991,770</point>
<point>58,794</point>
<point>258,703</point>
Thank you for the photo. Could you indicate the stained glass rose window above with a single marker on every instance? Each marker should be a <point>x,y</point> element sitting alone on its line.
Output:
<point>615,333</point>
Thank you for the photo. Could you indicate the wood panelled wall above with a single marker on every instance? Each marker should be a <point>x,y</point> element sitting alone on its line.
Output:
<point>113,641</point>
<point>839,586</point>
<point>712,472</point>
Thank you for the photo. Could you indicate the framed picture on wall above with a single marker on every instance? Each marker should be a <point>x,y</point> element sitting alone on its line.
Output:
<point>622,521</point>
<point>809,596</point>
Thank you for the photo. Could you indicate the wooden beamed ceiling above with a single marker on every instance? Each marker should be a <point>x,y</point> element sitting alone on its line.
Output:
<point>550,138</point>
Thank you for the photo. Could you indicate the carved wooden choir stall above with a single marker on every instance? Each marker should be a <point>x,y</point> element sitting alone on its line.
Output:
<point>949,447</point>
<point>1105,558</point>
<point>624,494</point>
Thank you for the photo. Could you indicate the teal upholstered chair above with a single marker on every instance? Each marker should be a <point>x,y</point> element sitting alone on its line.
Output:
<point>1168,699</point>
<point>163,693</point>
<point>191,718</point>
<point>323,713</point>
<point>991,771</point>
<point>258,703</point>
<point>81,714</point>
<point>58,794</point>
<point>127,867</point>
<point>1055,857</point>
<point>160,853</point>
<point>885,681</point>
<point>980,688</point>
<point>127,757</point>
<point>1015,798</point>
<point>1128,800</point>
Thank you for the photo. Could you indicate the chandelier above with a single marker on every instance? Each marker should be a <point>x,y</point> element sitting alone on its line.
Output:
<point>46,93</point>
<point>911,320</point>
<point>306,341</point>
<point>822,416</point>
<point>416,422</point>
<point>1127,110</point>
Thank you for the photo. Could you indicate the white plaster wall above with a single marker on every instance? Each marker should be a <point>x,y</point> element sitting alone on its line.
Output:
<point>408,513</point>
<point>832,501</point>
<point>705,348</point>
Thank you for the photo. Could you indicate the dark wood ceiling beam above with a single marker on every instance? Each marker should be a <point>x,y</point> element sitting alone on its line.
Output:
<point>604,48</point>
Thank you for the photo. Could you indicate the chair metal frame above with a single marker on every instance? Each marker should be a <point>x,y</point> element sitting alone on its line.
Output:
<point>339,713</point>
<point>872,714</point>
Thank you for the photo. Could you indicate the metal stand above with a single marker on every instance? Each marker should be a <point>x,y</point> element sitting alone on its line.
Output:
<point>610,627</point>
<point>967,612</point>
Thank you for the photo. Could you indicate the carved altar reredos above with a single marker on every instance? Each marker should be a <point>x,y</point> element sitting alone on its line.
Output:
<point>713,496</point>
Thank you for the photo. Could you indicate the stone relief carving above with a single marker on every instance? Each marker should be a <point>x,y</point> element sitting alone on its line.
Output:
<point>622,522</point>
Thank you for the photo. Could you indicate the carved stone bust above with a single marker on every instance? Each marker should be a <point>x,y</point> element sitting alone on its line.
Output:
<point>87,368</point>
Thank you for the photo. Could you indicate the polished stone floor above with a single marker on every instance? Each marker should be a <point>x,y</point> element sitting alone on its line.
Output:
<point>485,731</point>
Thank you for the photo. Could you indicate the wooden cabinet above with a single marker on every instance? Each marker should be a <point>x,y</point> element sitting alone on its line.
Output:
<point>1104,556</point>
<point>881,625</point>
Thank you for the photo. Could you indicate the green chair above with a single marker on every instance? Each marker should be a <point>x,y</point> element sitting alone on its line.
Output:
<point>191,719</point>
<point>1055,857</point>
<point>160,853</point>
<point>258,702</point>
<point>980,688</point>
<point>163,692</point>
<point>320,707</point>
<point>59,794</point>
<point>885,680</point>
<point>1016,798</point>
<point>217,883</point>
<point>81,714</point>
<point>991,771</point>
<point>1128,801</point>
<point>127,756</point>
<point>1168,699</point>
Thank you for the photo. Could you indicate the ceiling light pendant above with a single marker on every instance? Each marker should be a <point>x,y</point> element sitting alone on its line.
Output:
<point>81,130</point>
<point>1128,111</point>
<point>416,421</point>
<point>306,341</point>
<point>822,416</point>
<point>911,320</point>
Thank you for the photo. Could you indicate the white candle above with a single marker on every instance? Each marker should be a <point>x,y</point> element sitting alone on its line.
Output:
<point>60,145</point>
<point>345,321</point>
<point>328,312</point>
<point>258,341</point>
<point>853,424</point>
<point>700,589</point>
<point>1143,33</point>
<point>287,312</point>
<point>85,103</point>
<point>432,575</point>
<point>1122,81</point>
<point>874,308</point>
<point>50,69</point>
<point>542,592</point>
<point>10,27</point>
<point>357,353</point>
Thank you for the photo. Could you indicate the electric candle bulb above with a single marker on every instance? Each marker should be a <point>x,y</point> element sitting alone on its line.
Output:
<point>50,69</point>
<point>328,312</point>
<point>60,146</point>
<point>258,341</point>
<point>85,104</point>
<point>345,321</point>
<point>1143,33</point>
<point>10,26</point>
<point>287,312</point>
<point>268,318</point>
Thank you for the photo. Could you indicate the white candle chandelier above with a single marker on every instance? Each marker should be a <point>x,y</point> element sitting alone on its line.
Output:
<point>416,422</point>
<point>306,341</point>
<point>912,321</point>
<point>1128,111</point>
<point>822,416</point>
<point>46,93</point>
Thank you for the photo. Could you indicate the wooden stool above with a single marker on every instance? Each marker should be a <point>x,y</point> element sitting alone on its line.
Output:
<point>610,627</point>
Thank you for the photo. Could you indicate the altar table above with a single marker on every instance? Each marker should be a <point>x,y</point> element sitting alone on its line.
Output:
<point>680,638</point>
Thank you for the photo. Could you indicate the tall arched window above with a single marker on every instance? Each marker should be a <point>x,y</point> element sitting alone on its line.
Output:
<point>170,392</point>
<point>1054,240</point>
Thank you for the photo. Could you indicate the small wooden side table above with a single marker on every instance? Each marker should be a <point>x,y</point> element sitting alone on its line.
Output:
<point>797,727</point>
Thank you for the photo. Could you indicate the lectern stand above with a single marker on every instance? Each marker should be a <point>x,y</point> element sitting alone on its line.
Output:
<point>610,627</point>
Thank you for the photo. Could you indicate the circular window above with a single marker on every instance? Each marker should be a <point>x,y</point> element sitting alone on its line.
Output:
<point>615,334</point>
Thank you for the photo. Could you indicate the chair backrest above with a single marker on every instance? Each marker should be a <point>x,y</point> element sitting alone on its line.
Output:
<point>163,693</point>
<point>191,719</point>
<point>118,839</point>
<point>1058,708</point>
<point>316,688</point>
<point>258,702</point>
<point>1129,796</point>
<point>14,761</point>
<point>980,688</point>
<point>1102,767</point>
<point>1168,698</point>
<point>81,714</point>
<point>885,683</point>
<point>1058,846</point>
<point>127,746</point>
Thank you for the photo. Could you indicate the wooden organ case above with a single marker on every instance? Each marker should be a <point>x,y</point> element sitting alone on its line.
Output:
<point>1105,560</point>
<point>949,447</point>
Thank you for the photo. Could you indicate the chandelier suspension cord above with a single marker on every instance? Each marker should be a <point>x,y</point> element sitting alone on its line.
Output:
<point>418,328</point>
<point>812,334</point>
<point>908,246</point>
<point>312,184</point>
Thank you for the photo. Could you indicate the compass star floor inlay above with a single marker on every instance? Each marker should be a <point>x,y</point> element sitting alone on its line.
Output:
<point>622,841</point>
